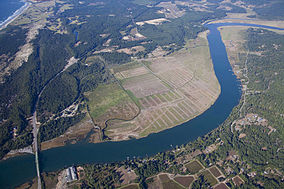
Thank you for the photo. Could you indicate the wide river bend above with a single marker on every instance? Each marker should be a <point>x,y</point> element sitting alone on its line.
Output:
<point>18,170</point>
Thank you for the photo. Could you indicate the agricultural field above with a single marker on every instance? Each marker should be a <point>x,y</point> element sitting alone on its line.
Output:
<point>131,186</point>
<point>194,167</point>
<point>238,181</point>
<point>168,90</point>
<point>209,177</point>
<point>184,180</point>
<point>197,174</point>
<point>110,101</point>
<point>221,186</point>
<point>168,183</point>
<point>215,171</point>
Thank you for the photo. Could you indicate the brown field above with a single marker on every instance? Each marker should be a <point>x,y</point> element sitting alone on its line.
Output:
<point>144,85</point>
<point>132,50</point>
<point>184,180</point>
<point>194,167</point>
<point>131,186</point>
<point>215,171</point>
<point>221,186</point>
<point>164,178</point>
<point>167,183</point>
<point>237,181</point>
<point>169,90</point>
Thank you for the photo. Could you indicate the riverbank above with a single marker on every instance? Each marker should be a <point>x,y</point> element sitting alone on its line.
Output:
<point>15,15</point>
<point>19,152</point>
<point>270,23</point>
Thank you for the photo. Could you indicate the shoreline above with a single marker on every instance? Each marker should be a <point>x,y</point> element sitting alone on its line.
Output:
<point>15,15</point>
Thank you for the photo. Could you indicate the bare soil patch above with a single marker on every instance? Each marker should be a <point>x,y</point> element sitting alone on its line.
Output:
<point>168,183</point>
<point>131,186</point>
<point>184,180</point>
<point>215,171</point>
<point>237,181</point>
<point>134,72</point>
<point>221,186</point>
<point>145,85</point>
<point>157,21</point>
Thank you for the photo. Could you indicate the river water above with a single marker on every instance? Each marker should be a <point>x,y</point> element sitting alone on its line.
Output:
<point>20,169</point>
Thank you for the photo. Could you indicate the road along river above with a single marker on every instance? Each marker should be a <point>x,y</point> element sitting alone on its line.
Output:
<point>18,170</point>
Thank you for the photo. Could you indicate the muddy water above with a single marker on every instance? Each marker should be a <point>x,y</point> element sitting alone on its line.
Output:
<point>20,169</point>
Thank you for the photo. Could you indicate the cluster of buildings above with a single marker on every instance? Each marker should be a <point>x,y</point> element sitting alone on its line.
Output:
<point>250,119</point>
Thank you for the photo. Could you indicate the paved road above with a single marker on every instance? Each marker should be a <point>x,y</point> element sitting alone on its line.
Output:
<point>35,131</point>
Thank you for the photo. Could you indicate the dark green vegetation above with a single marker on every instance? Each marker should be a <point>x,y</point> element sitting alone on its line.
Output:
<point>265,76</point>
<point>268,10</point>
<point>57,127</point>
<point>185,27</point>
<point>201,183</point>
<point>101,176</point>
<point>13,38</point>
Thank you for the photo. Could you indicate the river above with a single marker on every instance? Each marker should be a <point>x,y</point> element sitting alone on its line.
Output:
<point>20,169</point>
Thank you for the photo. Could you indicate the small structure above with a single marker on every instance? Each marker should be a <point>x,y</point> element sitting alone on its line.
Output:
<point>71,174</point>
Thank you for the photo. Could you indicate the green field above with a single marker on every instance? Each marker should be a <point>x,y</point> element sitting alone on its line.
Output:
<point>105,97</point>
